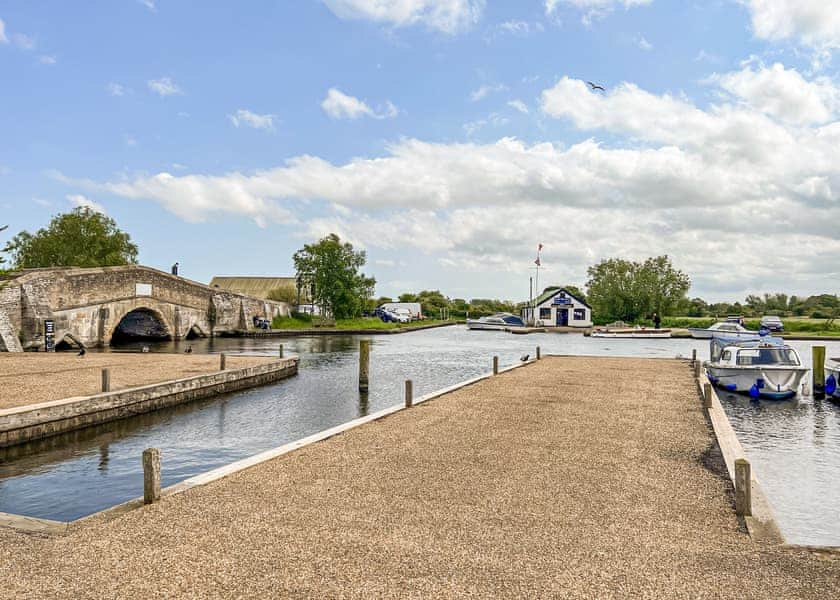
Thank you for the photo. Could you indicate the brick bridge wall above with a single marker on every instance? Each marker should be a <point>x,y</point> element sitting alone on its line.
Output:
<point>88,304</point>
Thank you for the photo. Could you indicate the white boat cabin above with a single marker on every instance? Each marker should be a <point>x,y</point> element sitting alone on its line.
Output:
<point>558,308</point>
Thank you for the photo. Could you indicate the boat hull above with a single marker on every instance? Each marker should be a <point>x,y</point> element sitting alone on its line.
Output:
<point>707,334</point>
<point>486,326</point>
<point>775,383</point>
<point>632,333</point>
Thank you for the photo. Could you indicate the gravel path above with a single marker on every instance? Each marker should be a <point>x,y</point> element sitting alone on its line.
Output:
<point>572,477</point>
<point>30,378</point>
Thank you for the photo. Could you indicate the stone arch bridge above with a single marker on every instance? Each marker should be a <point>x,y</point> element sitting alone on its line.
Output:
<point>92,307</point>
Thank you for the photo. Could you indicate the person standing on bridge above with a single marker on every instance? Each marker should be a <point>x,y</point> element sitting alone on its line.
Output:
<point>175,269</point>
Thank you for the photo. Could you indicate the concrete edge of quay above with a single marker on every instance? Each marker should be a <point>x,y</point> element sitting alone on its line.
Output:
<point>48,527</point>
<point>333,331</point>
<point>33,422</point>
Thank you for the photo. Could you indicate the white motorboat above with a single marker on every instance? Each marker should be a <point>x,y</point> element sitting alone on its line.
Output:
<point>497,322</point>
<point>763,367</point>
<point>727,329</point>
<point>832,378</point>
<point>621,330</point>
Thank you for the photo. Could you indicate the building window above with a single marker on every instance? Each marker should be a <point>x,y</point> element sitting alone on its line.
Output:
<point>580,314</point>
<point>545,313</point>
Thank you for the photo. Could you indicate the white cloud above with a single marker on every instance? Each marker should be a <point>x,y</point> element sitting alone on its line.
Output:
<point>3,38</point>
<point>707,185</point>
<point>23,41</point>
<point>78,200</point>
<point>515,27</point>
<point>150,4</point>
<point>519,105</point>
<point>115,89</point>
<point>448,16</point>
<point>593,8</point>
<point>246,118</point>
<point>164,87</point>
<point>815,23</point>
<point>486,90</point>
<point>643,44</point>
<point>47,59</point>
<point>339,105</point>
<point>784,93</point>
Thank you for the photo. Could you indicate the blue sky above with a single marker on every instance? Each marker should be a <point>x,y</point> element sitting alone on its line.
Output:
<point>446,137</point>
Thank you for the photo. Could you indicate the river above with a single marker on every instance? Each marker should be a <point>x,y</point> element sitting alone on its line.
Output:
<point>794,446</point>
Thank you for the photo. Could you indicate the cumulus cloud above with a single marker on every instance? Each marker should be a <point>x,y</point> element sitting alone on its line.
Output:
<point>815,23</point>
<point>78,200</point>
<point>643,44</point>
<point>164,87</point>
<point>593,8</point>
<point>339,105</point>
<point>708,185</point>
<point>448,16</point>
<point>246,118</point>
<point>47,59</point>
<point>115,89</point>
<point>783,93</point>
<point>3,38</point>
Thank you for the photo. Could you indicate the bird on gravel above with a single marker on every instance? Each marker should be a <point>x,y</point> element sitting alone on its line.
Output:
<point>188,350</point>
<point>524,357</point>
<point>82,352</point>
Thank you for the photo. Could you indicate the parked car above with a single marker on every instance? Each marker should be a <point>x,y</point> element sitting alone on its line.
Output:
<point>772,323</point>
<point>735,319</point>
<point>390,316</point>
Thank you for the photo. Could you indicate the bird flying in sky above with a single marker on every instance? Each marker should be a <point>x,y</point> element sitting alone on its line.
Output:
<point>595,86</point>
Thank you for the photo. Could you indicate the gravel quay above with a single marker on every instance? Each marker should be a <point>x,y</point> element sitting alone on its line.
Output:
<point>571,477</point>
<point>31,377</point>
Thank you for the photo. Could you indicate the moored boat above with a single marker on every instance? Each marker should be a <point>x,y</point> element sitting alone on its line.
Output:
<point>727,329</point>
<point>763,367</point>
<point>621,330</point>
<point>497,322</point>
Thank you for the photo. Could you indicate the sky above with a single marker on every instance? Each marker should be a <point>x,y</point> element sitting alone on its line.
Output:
<point>446,138</point>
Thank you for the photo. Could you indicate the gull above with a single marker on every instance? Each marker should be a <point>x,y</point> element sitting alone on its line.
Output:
<point>82,352</point>
<point>524,358</point>
<point>595,86</point>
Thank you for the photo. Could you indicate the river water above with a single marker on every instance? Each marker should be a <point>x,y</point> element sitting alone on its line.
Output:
<point>794,446</point>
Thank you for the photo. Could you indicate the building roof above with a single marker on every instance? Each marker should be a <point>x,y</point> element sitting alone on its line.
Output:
<point>553,292</point>
<point>258,287</point>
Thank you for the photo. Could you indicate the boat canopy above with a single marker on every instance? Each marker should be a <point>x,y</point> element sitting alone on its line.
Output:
<point>510,319</point>
<point>717,344</point>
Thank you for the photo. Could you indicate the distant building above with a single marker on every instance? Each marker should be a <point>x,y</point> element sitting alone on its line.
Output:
<point>558,308</point>
<point>257,287</point>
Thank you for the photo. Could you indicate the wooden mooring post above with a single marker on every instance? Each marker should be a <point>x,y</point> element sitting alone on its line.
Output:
<point>707,395</point>
<point>280,352</point>
<point>694,356</point>
<point>151,475</point>
<point>106,380</point>
<point>743,489</point>
<point>409,393</point>
<point>222,361</point>
<point>697,369</point>
<point>818,371</point>
<point>495,365</point>
<point>364,365</point>
<point>538,353</point>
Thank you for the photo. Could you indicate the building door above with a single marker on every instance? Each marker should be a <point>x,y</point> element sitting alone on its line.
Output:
<point>562,317</point>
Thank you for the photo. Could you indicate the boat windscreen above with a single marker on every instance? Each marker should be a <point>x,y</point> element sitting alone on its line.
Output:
<point>767,356</point>
<point>513,320</point>
<point>717,344</point>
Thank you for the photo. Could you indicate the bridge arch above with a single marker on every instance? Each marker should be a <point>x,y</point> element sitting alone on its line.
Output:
<point>141,323</point>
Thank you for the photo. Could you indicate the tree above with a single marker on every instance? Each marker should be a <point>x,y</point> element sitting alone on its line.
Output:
<point>285,293</point>
<point>3,258</point>
<point>330,269</point>
<point>80,238</point>
<point>626,290</point>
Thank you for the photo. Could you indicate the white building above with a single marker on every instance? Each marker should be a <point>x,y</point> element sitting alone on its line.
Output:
<point>558,308</point>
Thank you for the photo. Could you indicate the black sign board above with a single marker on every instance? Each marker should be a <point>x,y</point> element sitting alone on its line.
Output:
<point>49,335</point>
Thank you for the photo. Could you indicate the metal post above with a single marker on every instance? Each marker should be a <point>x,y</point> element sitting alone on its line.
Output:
<point>538,353</point>
<point>743,489</point>
<point>281,350</point>
<point>818,371</point>
<point>151,475</point>
<point>495,365</point>
<point>106,380</point>
<point>364,364</point>
<point>222,361</point>
<point>409,393</point>
<point>707,395</point>
<point>694,356</point>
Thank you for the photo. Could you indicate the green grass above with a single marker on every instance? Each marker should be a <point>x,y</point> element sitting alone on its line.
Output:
<point>358,323</point>
<point>793,325</point>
